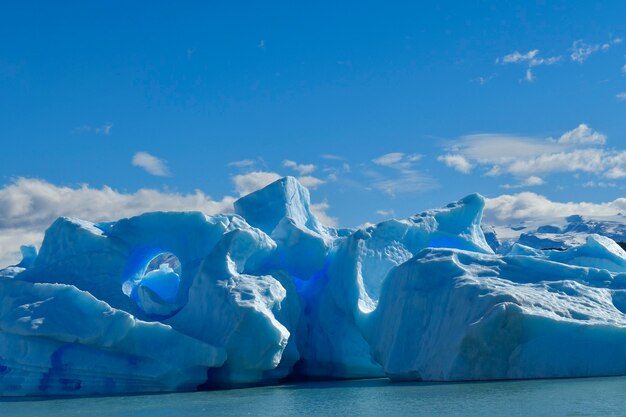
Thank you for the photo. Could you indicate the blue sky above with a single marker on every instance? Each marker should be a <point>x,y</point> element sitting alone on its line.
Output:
<point>386,108</point>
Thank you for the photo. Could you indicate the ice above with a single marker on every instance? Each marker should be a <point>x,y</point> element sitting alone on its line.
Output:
<point>171,301</point>
<point>455,315</point>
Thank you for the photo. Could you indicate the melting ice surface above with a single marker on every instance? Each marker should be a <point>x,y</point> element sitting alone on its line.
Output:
<point>180,301</point>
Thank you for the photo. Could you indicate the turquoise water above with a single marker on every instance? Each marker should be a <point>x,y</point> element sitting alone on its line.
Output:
<point>564,397</point>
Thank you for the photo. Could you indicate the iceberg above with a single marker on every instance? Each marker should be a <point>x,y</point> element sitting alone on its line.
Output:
<point>174,301</point>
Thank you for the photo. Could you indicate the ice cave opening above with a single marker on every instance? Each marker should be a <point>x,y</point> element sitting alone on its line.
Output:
<point>156,289</point>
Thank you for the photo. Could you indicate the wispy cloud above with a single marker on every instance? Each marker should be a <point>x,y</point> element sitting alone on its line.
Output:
<point>581,51</point>
<point>406,182</point>
<point>599,184</point>
<point>151,164</point>
<point>621,96</point>
<point>397,160</point>
<point>532,181</point>
<point>401,175</point>
<point>302,169</point>
<point>332,157</point>
<point>530,60</point>
<point>386,213</point>
<point>244,163</point>
<point>485,80</point>
<point>105,129</point>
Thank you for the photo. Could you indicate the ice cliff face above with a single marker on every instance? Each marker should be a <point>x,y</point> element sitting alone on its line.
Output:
<point>181,301</point>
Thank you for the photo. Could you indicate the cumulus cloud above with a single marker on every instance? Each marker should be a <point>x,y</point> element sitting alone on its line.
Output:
<point>29,206</point>
<point>527,206</point>
<point>457,162</point>
<point>302,169</point>
<point>151,164</point>
<point>252,181</point>
<point>616,173</point>
<point>582,134</point>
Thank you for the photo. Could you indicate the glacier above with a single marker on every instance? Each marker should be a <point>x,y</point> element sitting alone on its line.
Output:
<point>179,301</point>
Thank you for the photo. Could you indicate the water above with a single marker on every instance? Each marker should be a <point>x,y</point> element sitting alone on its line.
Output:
<point>564,397</point>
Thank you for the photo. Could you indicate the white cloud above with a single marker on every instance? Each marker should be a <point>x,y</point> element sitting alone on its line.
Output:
<point>408,182</point>
<point>151,164</point>
<point>397,160</point>
<point>320,211</point>
<point>530,59</point>
<point>496,148</point>
<point>526,206</point>
<point>581,51</point>
<point>616,173</point>
<point>624,68</point>
<point>389,159</point>
<point>332,157</point>
<point>485,80</point>
<point>585,160</point>
<point>310,182</point>
<point>29,206</point>
<point>583,134</point>
<point>244,163</point>
<point>105,129</point>
<point>402,178</point>
<point>578,150</point>
<point>386,213</point>
<point>621,96</point>
<point>532,181</point>
<point>599,184</point>
<point>302,169</point>
<point>457,162</point>
<point>247,183</point>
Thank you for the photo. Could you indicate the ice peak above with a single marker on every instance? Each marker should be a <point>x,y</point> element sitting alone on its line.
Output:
<point>285,197</point>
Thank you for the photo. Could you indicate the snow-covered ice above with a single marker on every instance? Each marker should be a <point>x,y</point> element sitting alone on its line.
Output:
<point>172,301</point>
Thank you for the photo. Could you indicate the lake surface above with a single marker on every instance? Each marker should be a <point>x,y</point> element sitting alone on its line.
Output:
<point>562,397</point>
